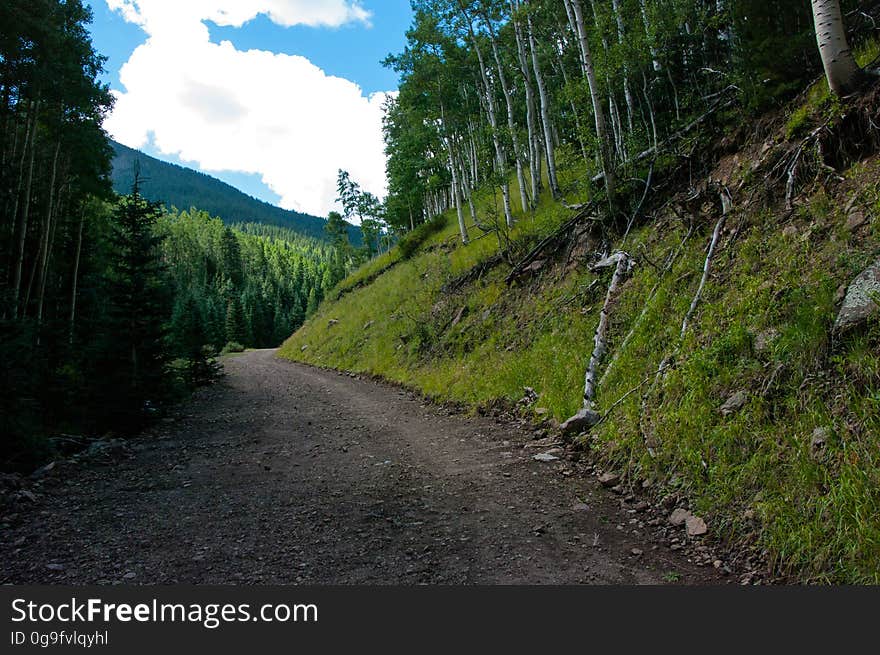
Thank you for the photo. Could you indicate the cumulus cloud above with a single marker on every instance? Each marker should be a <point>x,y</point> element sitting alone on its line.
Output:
<point>275,115</point>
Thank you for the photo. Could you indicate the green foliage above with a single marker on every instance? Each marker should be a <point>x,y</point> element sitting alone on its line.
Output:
<point>132,367</point>
<point>368,209</point>
<point>234,328</point>
<point>54,158</point>
<point>660,65</point>
<point>249,284</point>
<point>820,105</point>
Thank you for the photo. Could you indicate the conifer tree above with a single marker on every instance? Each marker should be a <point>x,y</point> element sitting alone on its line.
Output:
<point>135,352</point>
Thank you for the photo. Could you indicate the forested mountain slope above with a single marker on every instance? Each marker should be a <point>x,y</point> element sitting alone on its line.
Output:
<point>176,186</point>
<point>693,306</point>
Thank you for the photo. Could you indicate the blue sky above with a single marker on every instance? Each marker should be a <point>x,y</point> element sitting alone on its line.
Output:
<point>351,50</point>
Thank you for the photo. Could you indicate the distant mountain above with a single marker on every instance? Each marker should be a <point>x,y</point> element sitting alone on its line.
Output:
<point>174,185</point>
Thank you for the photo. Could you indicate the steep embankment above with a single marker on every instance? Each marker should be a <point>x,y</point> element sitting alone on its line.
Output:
<point>762,418</point>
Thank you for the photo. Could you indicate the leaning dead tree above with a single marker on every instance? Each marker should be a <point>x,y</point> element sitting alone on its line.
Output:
<point>726,204</point>
<point>667,266</point>
<point>587,417</point>
<point>669,360</point>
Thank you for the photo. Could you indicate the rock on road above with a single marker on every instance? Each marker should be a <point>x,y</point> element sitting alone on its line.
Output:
<point>284,474</point>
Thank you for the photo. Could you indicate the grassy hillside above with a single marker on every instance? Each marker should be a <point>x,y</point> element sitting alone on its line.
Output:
<point>794,474</point>
<point>176,186</point>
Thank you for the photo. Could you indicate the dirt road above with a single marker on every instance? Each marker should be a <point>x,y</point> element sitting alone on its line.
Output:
<point>290,475</point>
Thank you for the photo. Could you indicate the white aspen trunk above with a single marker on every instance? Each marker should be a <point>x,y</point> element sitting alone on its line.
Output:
<point>598,111</point>
<point>574,110</point>
<point>587,417</point>
<point>726,204</point>
<point>47,235</point>
<point>621,38</point>
<point>600,342</point>
<point>843,74</point>
<point>453,169</point>
<point>79,239</point>
<point>650,111</point>
<point>549,145</point>
<point>473,157</point>
<point>572,22</point>
<point>493,123</point>
<point>511,123</point>
<point>456,194</point>
<point>29,126</point>
<point>19,259</point>
<point>674,95</point>
<point>469,196</point>
<point>531,123</point>
<point>467,190</point>
<point>655,60</point>
<point>616,128</point>
<point>569,12</point>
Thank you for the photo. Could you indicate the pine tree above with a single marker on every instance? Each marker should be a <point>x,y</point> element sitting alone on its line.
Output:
<point>231,258</point>
<point>235,327</point>
<point>313,302</point>
<point>135,352</point>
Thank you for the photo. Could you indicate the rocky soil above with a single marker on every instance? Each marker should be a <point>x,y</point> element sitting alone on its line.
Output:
<point>283,474</point>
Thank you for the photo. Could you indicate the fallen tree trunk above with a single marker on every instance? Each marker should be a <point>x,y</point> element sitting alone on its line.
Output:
<point>726,203</point>
<point>645,154</point>
<point>472,274</point>
<point>552,240</point>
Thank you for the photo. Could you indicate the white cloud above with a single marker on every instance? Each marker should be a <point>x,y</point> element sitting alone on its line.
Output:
<point>275,115</point>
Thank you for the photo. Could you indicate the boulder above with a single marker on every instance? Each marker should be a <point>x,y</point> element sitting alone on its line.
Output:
<point>580,422</point>
<point>856,220</point>
<point>735,403</point>
<point>609,479</point>
<point>818,441</point>
<point>678,517</point>
<point>695,526</point>
<point>861,301</point>
<point>764,340</point>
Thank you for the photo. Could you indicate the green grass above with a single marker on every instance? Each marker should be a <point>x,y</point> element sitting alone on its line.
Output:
<point>754,475</point>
